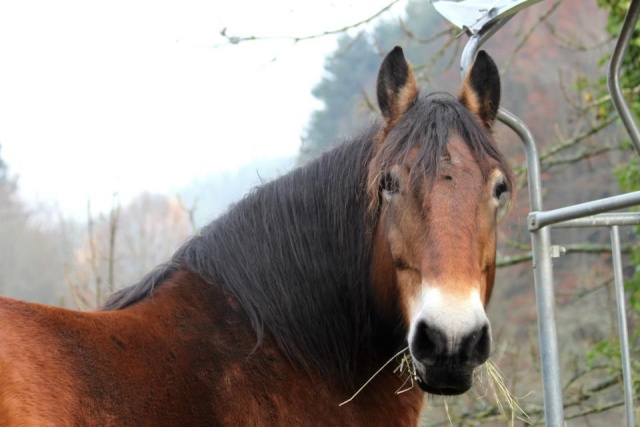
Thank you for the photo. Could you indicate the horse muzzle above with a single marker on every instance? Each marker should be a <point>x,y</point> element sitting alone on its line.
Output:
<point>447,346</point>
<point>444,368</point>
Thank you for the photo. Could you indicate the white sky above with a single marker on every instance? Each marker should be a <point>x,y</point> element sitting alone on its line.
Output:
<point>125,96</point>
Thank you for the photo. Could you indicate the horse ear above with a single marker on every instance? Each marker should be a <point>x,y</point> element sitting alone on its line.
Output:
<point>481,89</point>
<point>396,88</point>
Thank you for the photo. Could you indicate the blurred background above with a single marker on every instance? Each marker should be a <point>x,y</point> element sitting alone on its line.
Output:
<point>124,127</point>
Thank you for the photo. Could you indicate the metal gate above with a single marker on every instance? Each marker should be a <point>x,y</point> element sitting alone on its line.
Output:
<point>480,19</point>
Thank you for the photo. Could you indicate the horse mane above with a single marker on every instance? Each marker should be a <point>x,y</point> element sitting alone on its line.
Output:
<point>296,252</point>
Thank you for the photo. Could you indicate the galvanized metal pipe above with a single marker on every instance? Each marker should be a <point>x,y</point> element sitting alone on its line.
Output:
<point>476,41</point>
<point>622,325</point>
<point>541,244</point>
<point>543,279</point>
<point>613,78</point>
<point>602,220</point>
<point>538,220</point>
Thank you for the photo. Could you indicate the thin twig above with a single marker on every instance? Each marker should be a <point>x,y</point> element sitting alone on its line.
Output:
<point>528,34</point>
<point>432,38</point>
<point>114,220</point>
<point>94,256</point>
<point>577,139</point>
<point>584,248</point>
<point>296,39</point>
<point>572,45</point>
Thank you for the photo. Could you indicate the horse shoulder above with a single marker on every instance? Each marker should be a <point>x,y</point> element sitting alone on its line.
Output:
<point>37,385</point>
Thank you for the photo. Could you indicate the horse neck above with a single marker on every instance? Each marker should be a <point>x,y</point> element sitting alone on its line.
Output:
<point>296,254</point>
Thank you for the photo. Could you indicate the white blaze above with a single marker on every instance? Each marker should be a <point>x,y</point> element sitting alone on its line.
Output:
<point>452,314</point>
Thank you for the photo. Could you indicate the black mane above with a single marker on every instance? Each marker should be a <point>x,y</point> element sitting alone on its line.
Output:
<point>296,252</point>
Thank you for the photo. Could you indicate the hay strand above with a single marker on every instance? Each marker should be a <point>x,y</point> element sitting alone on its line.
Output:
<point>502,394</point>
<point>378,371</point>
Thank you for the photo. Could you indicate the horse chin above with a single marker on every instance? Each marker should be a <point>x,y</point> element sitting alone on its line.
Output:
<point>449,380</point>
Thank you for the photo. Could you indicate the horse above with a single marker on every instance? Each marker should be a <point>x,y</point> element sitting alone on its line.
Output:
<point>282,308</point>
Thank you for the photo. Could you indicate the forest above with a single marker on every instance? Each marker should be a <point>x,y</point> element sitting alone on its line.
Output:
<point>553,59</point>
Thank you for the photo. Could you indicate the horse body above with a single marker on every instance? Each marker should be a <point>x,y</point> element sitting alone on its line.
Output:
<point>279,310</point>
<point>186,356</point>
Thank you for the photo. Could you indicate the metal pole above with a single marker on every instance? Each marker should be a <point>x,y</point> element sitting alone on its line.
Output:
<point>622,325</point>
<point>602,220</point>
<point>475,41</point>
<point>541,244</point>
<point>543,278</point>
<point>538,220</point>
<point>613,78</point>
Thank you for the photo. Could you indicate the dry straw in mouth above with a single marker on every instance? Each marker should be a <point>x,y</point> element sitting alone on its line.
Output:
<point>502,394</point>
<point>504,399</point>
<point>405,361</point>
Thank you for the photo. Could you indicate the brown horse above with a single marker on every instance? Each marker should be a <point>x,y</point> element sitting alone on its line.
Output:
<point>282,308</point>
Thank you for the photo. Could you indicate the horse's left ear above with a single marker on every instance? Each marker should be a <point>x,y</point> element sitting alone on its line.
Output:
<point>396,88</point>
<point>481,89</point>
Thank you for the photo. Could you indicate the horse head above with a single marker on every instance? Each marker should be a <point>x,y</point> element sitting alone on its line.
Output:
<point>438,184</point>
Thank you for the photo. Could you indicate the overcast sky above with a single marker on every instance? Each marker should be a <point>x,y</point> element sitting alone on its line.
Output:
<point>125,96</point>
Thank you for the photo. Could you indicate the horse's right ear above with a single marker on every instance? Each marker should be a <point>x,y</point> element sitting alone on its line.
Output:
<point>396,88</point>
<point>481,89</point>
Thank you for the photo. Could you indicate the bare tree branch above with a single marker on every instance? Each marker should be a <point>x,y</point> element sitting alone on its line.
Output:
<point>114,219</point>
<point>577,139</point>
<point>596,410</point>
<point>582,155</point>
<point>584,248</point>
<point>451,30</point>
<point>296,39</point>
<point>191,212</point>
<point>93,256</point>
<point>571,44</point>
<point>528,34</point>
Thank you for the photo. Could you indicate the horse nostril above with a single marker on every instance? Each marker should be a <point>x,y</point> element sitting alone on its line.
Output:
<point>428,344</point>
<point>475,347</point>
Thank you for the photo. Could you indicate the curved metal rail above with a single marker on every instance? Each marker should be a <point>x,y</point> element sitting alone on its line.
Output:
<point>613,79</point>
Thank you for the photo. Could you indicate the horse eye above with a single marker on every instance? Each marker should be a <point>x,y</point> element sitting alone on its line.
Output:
<point>500,188</point>
<point>388,184</point>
